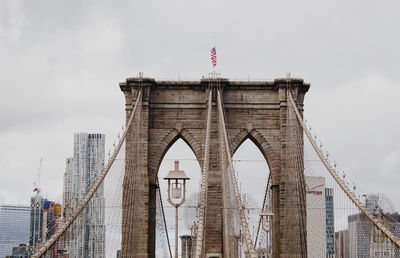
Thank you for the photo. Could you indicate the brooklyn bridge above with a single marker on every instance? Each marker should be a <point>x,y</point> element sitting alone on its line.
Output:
<point>214,116</point>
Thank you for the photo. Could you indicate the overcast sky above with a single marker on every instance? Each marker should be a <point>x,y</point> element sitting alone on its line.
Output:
<point>61,62</point>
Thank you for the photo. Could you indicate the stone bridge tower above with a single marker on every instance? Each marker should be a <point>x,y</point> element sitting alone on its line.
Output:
<point>177,109</point>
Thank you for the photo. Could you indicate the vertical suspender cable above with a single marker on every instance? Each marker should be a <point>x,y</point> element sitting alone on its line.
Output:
<point>263,208</point>
<point>164,221</point>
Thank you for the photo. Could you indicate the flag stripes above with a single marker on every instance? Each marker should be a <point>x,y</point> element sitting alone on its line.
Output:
<point>213,54</point>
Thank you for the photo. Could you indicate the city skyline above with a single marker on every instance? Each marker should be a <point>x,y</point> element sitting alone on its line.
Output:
<point>62,63</point>
<point>357,71</point>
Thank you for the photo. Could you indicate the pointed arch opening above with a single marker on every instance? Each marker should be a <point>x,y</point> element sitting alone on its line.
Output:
<point>252,171</point>
<point>179,149</point>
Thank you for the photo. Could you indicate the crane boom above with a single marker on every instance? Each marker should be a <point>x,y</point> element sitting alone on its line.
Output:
<point>37,183</point>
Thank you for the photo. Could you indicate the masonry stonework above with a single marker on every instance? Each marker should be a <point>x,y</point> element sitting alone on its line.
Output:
<point>254,110</point>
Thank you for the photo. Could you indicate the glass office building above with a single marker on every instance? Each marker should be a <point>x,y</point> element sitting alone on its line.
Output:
<point>330,223</point>
<point>14,227</point>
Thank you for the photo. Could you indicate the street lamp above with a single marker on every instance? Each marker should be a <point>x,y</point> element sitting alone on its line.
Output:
<point>177,190</point>
<point>266,217</point>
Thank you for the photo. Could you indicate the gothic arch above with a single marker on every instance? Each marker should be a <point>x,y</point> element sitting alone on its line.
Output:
<point>165,144</point>
<point>178,109</point>
<point>271,156</point>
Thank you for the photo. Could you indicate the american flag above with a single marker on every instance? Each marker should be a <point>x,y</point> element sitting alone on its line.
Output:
<point>213,54</point>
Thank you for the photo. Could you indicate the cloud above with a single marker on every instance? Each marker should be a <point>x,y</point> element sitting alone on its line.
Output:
<point>61,63</point>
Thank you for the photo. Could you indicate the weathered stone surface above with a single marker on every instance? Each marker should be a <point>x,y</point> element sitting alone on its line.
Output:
<point>177,109</point>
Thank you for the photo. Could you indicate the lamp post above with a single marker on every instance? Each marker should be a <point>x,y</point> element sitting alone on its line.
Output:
<point>266,217</point>
<point>176,194</point>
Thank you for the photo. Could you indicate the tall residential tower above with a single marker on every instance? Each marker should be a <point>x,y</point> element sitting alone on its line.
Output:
<point>87,235</point>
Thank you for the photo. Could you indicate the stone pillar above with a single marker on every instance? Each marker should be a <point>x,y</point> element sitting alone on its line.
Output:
<point>136,233</point>
<point>288,240</point>
<point>276,226</point>
<point>177,109</point>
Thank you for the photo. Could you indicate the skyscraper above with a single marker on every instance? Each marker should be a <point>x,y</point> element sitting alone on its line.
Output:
<point>316,216</point>
<point>320,218</point>
<point>363,236</point>
<point>342,244</point>
<point>187,246</point>
<point>21,251</point>
<point>330,225</point>
<point>45,219</point>
<point>14,227</point>
<point>86,238</point>
<point>360,230</point>
<point>36,220</point>
<point>52,217</point>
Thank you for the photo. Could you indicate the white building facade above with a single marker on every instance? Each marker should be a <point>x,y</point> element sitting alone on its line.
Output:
<point>316,217</point>
<point>86,238</point>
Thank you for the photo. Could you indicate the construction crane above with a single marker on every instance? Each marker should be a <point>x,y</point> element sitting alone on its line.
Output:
<point>37,182</point>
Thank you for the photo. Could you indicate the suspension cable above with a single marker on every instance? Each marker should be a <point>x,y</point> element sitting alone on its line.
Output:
<point>92,190</point>
<point>164,220</point>
<point>267,190</point>
<point>340,182</point>
<point>204,183</point>
<point>243,221</point>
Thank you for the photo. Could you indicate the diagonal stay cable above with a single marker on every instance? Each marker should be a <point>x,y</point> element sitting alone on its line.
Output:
<point>204,183</point>
<point>164,221</point>
<point>341,183</point>
<point>92,190</point>
<point>267,190</point>
<point>243,221</point>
